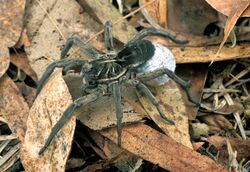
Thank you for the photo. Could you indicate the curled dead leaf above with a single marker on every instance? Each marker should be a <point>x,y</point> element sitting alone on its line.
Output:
<point>236,11</point>
<point>217,123</point>
<point>225,6</point>
<point>21,61</point>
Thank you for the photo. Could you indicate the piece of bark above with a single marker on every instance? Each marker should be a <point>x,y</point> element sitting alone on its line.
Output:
<point>207,54</point>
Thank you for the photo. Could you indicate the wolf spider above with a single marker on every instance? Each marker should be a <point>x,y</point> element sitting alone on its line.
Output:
<point>105,73</point>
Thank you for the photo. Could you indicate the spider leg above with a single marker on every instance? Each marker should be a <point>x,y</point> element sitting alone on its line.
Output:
<point>140,86</point>
<point>108,38</point>
<point>60,63</point>
<point>82,101</point>
<point>184,85</point>
<point>154,31</point>
<point>71,41</point>
<point>118,109</point>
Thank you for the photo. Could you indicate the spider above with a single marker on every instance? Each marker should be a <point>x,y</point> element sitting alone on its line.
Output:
<point>106,72</point>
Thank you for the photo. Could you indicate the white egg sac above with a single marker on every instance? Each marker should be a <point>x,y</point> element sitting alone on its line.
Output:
<point>163,58</point>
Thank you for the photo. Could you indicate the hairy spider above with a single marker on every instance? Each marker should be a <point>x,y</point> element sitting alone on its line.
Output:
<point>105,73</point>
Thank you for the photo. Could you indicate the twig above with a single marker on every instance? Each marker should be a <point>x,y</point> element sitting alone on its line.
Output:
<point>236,114</point>
<point>237,77</point>
<point>210,90</point>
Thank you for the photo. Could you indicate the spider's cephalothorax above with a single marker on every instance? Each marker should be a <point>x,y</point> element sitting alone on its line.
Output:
<point>105,73</point>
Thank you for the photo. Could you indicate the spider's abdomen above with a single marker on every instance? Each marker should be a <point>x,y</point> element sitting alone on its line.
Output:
<point>136,53</point>
<point>162,58</point>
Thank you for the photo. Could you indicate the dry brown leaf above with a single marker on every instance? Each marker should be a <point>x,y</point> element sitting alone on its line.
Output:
<point>28,92</point>
<point>103,11</point>
<point>217,123</point>
<point>152,13</point>
<point>160,149</point>
<point>36,16</point>
<point>173,106</point>
<point>125,160</point>
<point>241,146</point>
<point>196,75</point>
<point>4,59</point>
<point>45,112</point>
<point>13,107</point>
<point>11,14</point>
<point>238,7</point>
<point>182,15</point>
<point>42,29</point>
<point>225,6</point>
<point>21,61</point>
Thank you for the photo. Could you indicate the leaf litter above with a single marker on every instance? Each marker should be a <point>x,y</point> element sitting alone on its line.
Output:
<point>218,130</point>
<point>11,13</point>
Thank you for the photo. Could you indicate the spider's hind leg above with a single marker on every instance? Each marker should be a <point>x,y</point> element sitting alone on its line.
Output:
<point>73,40</point>
<point>140,86</point>
<point>164,71</point>
<point>108,38</point>
<point>118,109</point>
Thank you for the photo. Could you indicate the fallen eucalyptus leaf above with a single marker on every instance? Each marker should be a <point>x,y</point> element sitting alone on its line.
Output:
<point>45,112</point>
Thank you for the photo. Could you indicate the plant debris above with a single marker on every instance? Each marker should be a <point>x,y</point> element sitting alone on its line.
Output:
<point>213,58</point>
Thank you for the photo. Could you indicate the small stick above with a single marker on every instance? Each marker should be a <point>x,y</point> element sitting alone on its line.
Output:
<point>236,114</point>
<point>238,76</point>
<point>210,90</point>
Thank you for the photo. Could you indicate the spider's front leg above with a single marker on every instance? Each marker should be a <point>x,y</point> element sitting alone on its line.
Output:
<point>64,63</point>
<point>108,38</point>
<point>153,31</point>
<point>140,86</point>
<point>118,109</point>
<point>164,71</point>
<point>82,101</point>
<point>71,41</point>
